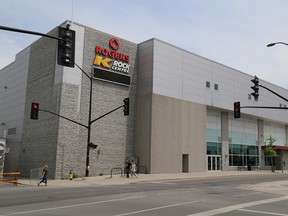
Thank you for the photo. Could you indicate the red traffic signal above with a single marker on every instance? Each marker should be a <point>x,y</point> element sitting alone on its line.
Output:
<point>34,111</point>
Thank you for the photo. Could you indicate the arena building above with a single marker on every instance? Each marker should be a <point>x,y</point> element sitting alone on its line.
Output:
<point>181,109</point>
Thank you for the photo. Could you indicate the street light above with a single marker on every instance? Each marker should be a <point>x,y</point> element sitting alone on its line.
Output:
<point>273,44</point>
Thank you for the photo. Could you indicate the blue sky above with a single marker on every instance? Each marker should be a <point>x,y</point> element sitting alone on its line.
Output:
<point>232,32</point>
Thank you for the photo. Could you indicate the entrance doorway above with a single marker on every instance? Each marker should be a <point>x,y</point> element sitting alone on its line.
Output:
<point>214,162</point>
<point>185,163</point>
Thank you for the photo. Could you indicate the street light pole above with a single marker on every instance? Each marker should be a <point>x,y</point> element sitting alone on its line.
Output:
<point>273,44</point>
<point>89,130</point>
<point>89,122</point>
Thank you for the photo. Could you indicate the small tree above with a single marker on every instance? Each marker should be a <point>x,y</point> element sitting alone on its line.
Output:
<point>270,151</point>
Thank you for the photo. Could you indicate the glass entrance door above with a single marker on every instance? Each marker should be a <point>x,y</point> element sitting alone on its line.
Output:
<point>214,162</point>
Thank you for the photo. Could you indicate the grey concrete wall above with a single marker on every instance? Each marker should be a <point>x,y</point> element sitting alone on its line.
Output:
<point>39,140</point>
<point>225,140</point>
<point>145,64</point>
<point>70,148</point>
<point>261,142</point>
<point>167,128</point>
<point>181,74</point>
<point>143,130</point>
<point>194,135</point>
<point>62,144</point>
<point>144,104</point>
<point>177,128</point>
<point>13,80</point>
<point>114,134</point>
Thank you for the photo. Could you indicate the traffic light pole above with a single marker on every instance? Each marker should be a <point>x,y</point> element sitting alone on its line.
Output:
<point>256,86</point>
<point>106,114</point>
<point>89,130</point>
<point>43,110</point>
<point>274,92</point>
<point>264,107</point>
<point>89,122</point>
<point>29,32</point>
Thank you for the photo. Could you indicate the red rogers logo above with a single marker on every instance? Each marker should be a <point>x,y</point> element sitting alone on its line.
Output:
<point>114,44</point>
<point>110,58</point>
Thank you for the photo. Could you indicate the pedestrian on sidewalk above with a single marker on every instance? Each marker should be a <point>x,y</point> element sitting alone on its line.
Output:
<point>127,168</point>
<point>44,175</point>
<point>133,169</point>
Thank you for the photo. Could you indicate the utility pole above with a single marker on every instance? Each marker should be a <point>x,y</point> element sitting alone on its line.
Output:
<point>89,122</point>
<point>89,130</point>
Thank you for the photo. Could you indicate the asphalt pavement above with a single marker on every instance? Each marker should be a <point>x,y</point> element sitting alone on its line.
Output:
<point>280,187</point>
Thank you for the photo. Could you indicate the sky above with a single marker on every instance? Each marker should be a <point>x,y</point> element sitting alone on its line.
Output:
<point>231,32</point>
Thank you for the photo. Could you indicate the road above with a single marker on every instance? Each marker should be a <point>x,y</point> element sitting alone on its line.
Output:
<point>230,195</point>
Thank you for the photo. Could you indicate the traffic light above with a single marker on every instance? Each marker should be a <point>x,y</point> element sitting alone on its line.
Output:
<point>66,47</point>
<point>237,113</point>
<point>34,111</point>
<point>126,106</point>
<point>255,88</point>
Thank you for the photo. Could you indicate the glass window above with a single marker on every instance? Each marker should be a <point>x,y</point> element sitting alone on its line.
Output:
<point>243,155</point>
<point>216,86</point>
<point>235,149</point>
<point>252,160</point>
<point>214,148</point>
<point>269,161</point>
<point>235,160</point>
<point>11,131</point>
<point>252,150</point>
<point>207,84</point>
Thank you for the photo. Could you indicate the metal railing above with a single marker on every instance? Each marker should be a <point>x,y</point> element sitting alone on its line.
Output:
<point>140,169</point>
<point>116,169</point>
<point>35,174</point>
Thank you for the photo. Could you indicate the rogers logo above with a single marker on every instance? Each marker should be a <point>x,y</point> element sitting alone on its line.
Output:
<point>110,58</point>
<point>114,44</point>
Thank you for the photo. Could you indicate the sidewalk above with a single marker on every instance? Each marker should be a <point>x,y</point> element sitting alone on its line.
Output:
<point>280,186</point>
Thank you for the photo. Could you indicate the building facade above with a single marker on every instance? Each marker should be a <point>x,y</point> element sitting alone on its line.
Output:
<point>181,109</point>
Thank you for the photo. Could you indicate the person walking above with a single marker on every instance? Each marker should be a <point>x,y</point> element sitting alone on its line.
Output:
<point>127,168</point>
<point>44,175</point>
<point>133,169</point>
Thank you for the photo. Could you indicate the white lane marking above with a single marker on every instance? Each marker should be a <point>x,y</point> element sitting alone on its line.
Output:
<point>157,208</point>
<point>261,212</point>
<point>72,206</point>
<point>238,206</point>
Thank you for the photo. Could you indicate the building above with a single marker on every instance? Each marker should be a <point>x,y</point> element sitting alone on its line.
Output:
<point>181,109</point>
